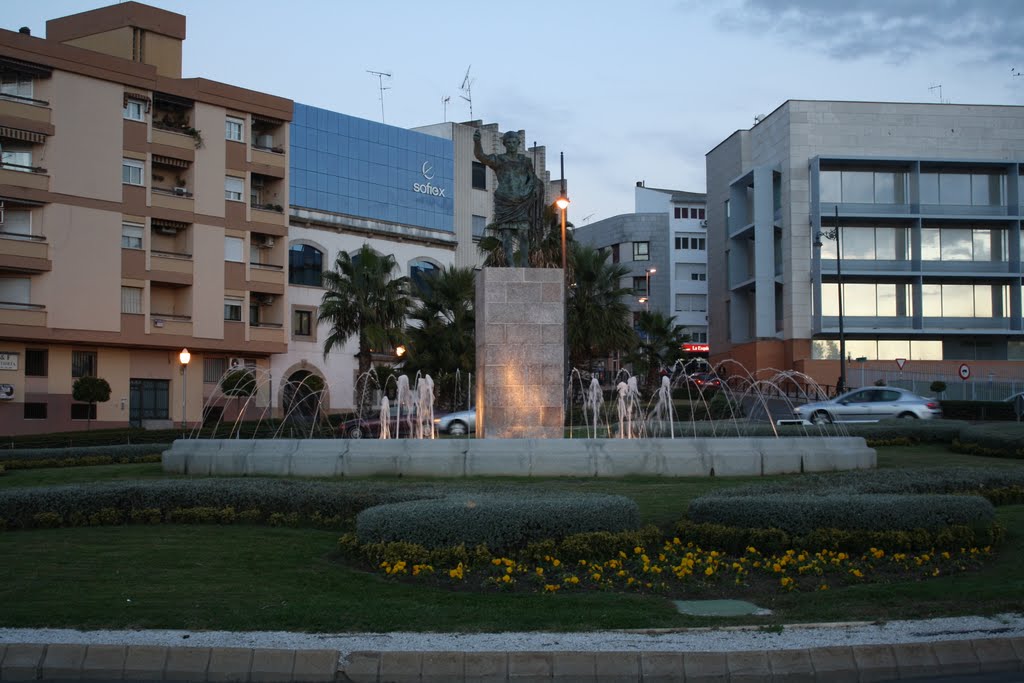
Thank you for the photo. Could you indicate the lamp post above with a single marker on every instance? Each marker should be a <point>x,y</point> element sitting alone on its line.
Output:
<point>648,273</point>
<point>563,204</point>
<point>644,301</point>
<point>184,357</point>
<point>835,234</point>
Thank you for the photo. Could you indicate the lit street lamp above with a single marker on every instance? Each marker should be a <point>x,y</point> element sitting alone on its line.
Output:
<point>184,357</point>
<point>649,272</point>
<point>644,300</point>
<point>835,234</point>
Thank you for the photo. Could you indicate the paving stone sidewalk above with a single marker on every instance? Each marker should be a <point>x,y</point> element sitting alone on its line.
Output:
<point>857,664</point>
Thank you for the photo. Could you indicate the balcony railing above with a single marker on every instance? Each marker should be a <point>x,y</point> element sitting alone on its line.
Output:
<point>26,100</point>
<point>273,326</point>
<point>172,254</point>
<point>174,317</point>
<point>265,266</point>
<point>172,191</point>
<point>22,237</point>
<point>267,207</point>
<point>22,167</point>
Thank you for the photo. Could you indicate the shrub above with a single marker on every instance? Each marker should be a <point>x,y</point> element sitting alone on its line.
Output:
<point>497,520</point>
<point>802,513</point>
<point>1001,441</point>
<point>937,387</point>
<point>32,458</point>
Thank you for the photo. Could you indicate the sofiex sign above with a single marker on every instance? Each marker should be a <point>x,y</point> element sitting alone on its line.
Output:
<point>426,188</point>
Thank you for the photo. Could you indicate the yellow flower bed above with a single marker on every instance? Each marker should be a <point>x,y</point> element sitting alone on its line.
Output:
<point>677,566</point>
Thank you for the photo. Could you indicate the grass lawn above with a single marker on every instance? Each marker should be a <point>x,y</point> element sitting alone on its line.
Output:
<point>259,578</point>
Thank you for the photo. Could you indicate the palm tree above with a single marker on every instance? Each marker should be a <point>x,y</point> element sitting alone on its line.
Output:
<point>659,344</point>
<point>441,340</point>
<point>363,300</point>
<point>599,319</point>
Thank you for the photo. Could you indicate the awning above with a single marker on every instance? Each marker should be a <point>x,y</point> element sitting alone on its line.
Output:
<point>258,119</point>
<point>170,161</point>
<point>167,223</point>
<point>138,98</point>
<point>174,100</point>
<point>27,68</point>
<point>23,135</point>
<point>17,201</point>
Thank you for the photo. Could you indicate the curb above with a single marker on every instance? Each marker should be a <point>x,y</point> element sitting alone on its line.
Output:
<point>68,662</point>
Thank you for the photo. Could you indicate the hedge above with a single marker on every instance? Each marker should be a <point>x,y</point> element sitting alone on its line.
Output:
<point>32,458</point>
<point>978,410</point>
<point>802,513</point>
<point>497,520</point>
<point>118,501</point>
<point>1001,441</point>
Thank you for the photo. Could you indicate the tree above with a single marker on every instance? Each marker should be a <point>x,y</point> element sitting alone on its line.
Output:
<point>659,345</point>
<point>238,383</point>
<point>363,300</point>
<point>91,390</point>
<point>441,338</point>
<point>599,319</point>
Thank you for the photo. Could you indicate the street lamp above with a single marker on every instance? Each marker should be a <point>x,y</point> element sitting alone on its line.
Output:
<point>563,203</point>
<point>644,301</point>
<point>399,350</point>
<point>835,234</point>
<point>184,357</point>
<point>648,273</point>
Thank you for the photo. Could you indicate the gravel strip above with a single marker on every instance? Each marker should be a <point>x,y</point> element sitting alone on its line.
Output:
<point>729,639</point>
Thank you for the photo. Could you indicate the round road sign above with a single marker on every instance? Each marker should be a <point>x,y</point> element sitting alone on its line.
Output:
<point>965,371</point>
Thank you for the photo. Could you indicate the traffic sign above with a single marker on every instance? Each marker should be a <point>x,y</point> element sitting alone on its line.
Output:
<point>965,371</point>
<point>901,362</point>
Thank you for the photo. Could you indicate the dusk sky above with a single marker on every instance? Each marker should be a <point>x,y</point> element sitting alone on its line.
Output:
<point>628,91</point>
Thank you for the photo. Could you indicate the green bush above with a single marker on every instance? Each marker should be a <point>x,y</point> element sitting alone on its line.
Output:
<point>978,410</point>
<point>801,513</point>
<point>32,458</point>
<point>499,521</point>
<point>310,502</point>
<point>1001,440</point>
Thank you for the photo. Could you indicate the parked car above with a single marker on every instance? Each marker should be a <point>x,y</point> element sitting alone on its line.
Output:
<point>870,404</point>
<point>457,424</point>
<point>368,427</point>
<point>704,380</point>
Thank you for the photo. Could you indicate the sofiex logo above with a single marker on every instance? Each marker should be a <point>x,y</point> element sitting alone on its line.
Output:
<point>426,188</point>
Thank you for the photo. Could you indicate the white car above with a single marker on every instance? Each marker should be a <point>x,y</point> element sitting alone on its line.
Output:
<point>457,424</point>
<point>869,404</point>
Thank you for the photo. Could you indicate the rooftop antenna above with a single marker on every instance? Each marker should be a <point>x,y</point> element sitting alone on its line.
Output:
<point>1014,72</point>
<point>467,87</point>
<point>380,83</point>
<point>444,105</point>
<point>938,87</point>
<point>587,217</point>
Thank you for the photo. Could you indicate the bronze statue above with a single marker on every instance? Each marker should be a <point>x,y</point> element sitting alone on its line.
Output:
<point>518,199</point>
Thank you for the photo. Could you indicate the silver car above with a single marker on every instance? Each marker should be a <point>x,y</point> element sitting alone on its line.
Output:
<point>457,424</point>
<point>869,404</point>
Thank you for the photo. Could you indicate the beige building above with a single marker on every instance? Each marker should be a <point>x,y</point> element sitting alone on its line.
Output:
<point>143,213</point>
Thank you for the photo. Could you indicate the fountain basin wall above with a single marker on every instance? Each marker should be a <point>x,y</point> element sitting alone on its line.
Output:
<point>699,457</point>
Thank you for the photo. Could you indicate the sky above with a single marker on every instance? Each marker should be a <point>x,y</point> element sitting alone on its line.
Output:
<point>627,91</point>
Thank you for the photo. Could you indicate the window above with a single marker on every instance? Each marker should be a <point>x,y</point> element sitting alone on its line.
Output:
<point>36,362</point>
<point>214,369</point>
<point>16,222</point>
<point>16,156</point>
<point>693,213</point>
<point>479,226</point>
<point>151,398</point>
<point>699,337</point>
<point>35,411</point>
<point>868,299</point>
<point>234,129</point>
<point>254,313</point>
<point>420,273</point>
<point>15,290</point>
<point>233,310</point>
<point>134,110</point>
<point>863,187</point>
<point>479,176</point>
<point>641,251</point>
<point>233,249</point>
<point>640,285</point>
<point>615,253</point>
<point>83,364</point>
<point>15,85</point>
<point>131,299</point>
<point>697,303</point>
<point>963,244</point>
<point>700,214</point>
<point>234,188</point>
<point>679,212</point>
<point>132,172</point>
<point>699,276</point>
<point>965,189</point>
<point>302,322</point>
<point>305,265</point>
<point>83,411</point>
<point>131,235</point>
<point>694,243</point>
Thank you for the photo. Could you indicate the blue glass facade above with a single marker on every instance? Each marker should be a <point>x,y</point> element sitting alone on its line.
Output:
<point>352,166</point>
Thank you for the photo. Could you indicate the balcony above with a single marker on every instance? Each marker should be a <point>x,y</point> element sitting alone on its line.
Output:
<point>268,141</point>
<point>24,253</point>
<point>16,313</point>
<point>171,324</point>
<point>171,267</point>
<point>173,119</point>
<point>25,108</point>
<point>176,198</point>
<point>267,274</point>
<point>19,175</point>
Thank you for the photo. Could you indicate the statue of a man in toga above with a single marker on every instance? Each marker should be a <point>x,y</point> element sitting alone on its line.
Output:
<point>518,199</point>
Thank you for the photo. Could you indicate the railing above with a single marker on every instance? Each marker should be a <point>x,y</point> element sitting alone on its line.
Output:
<point>22,167</point>
<point>172,191</point>
<point>264,148</point>
<point>172,254</point>
<point>275,326</point>
<point>22,236</point>
<point>27,100</point>
<point>174,317</point>
<point>265,266</point>
<point>22,306</point>
<point>267,207</point>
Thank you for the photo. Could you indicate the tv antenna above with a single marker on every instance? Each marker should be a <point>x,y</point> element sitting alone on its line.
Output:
<point>1014,72</point>
<point>938,87</point>
<point>587,217</point>
<point>380,83</point>
<point>444,105</point>
<point>467,87</point>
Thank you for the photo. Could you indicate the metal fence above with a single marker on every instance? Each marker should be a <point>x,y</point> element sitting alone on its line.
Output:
<point>980,386</point>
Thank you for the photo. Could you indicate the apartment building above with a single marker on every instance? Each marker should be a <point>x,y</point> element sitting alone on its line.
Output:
<point>925,203</point>
<point>356,182</point>
<point>143,214</point>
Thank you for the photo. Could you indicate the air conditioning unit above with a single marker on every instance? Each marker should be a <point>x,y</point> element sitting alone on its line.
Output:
<point>703,224</point>
<point>236,363</point>
<point>265,141</point>
<point>164,230</point>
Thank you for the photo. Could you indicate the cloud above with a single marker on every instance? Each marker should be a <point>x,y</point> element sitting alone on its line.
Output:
<point>896,30</point>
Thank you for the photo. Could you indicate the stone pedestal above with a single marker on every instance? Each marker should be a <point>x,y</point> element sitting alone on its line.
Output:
<point>520,353</point>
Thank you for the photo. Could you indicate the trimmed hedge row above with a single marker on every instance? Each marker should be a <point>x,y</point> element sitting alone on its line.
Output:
<point>19,507</point>
<point>497,520</point>
<point>978,410</point>
<point>1001,441</point>
<point>802,513</point>
<point>33,458</point>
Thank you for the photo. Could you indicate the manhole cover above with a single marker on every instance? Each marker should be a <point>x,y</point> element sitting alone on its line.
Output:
<point>719,608</point>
